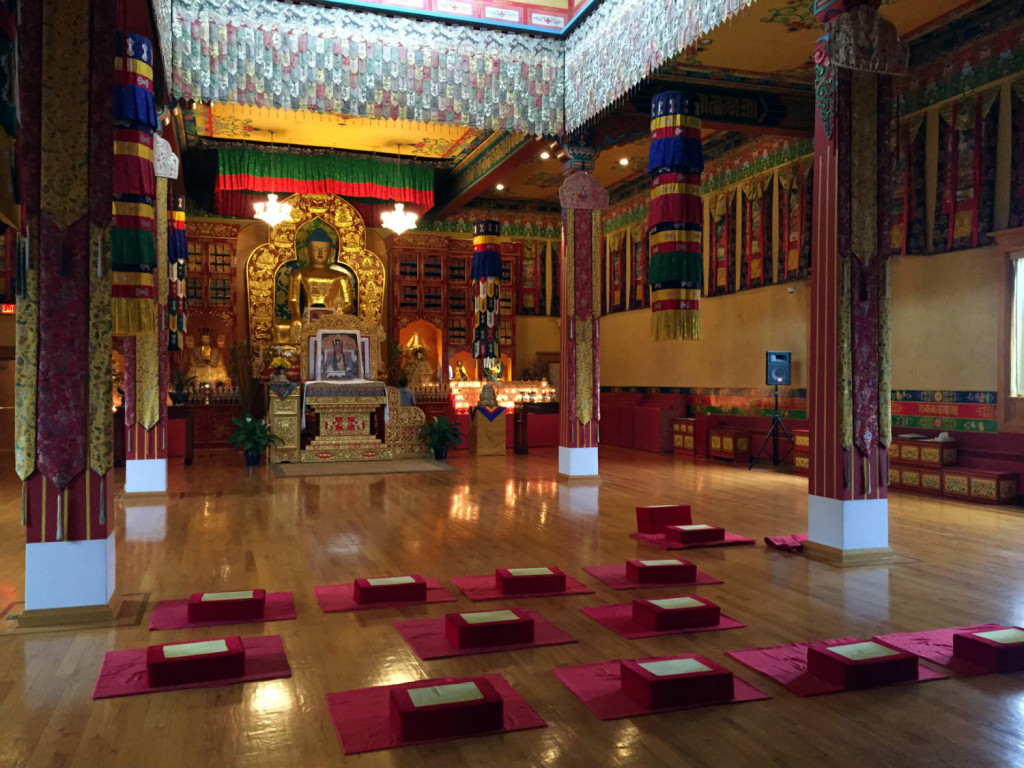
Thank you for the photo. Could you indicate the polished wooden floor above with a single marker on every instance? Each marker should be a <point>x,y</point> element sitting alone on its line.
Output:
<point>226,529</point>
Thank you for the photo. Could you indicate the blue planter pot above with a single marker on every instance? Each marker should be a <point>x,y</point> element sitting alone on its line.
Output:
<point>252,458</point>
<point>441,452</point>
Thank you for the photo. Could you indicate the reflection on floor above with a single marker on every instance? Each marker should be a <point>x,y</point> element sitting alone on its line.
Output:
<point>222,528</point>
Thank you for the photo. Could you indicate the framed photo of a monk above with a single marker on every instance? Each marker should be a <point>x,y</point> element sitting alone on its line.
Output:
<point>340,356</point>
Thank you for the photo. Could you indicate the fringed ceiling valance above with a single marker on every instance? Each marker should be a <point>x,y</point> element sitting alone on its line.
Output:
<point>339,61</point>
<point>249,170</point>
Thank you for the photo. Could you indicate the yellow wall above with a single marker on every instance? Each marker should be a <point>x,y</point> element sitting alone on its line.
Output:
<point>533,335</point>
<point>738,330</point>
<point>945,320</point>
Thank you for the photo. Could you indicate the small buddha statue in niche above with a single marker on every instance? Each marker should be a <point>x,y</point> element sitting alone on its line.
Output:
<point>206,362</point>
<point>423,371</point>
<point>321,285</point>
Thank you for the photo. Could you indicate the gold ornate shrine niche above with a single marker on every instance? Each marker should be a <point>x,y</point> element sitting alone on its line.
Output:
<point>315,269</point>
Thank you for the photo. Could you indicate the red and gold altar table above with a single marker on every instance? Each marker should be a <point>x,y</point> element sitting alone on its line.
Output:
<point>345,410</point>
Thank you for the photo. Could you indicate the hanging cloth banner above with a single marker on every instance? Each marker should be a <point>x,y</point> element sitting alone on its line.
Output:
<point>10,195</point>
<point>675,216</point>
<point>177,264</point>
<point>133,82</point>
<point>485,273</point>
<point>248,170</point>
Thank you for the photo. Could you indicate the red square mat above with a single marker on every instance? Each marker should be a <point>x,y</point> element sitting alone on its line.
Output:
<point>340,598</point>
<point>426,637</point>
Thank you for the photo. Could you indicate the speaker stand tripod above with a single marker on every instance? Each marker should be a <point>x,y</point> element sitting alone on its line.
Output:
<point>773,435</point>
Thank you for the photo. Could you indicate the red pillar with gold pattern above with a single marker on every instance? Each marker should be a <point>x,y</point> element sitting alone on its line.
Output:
<point>849,325</point>
<point>63,398</point>
<point>582,198</point>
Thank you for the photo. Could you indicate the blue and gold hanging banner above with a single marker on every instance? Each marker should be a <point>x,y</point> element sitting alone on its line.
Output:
<point>177,263</point>
<point>675,217</point>
<point>486,275</point>
<point>133,81</point>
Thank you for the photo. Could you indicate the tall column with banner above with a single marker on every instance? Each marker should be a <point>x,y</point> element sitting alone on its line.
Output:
<point>63,424</point>
<point>675,218</point>
<point>139,258</point>
<point>849,340</point>
<point>579,390</point>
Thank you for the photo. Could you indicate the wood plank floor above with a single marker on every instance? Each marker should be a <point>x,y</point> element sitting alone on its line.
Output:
<point>225,529</point>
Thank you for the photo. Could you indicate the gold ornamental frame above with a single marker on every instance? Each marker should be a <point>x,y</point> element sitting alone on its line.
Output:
<point>266,259</point>
<point>375,333</point>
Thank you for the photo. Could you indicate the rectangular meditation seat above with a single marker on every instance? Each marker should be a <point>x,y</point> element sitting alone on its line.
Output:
<point>181,663</point>
<point>667,571</point>
<point>676,682</point>
<point>529,581</point>
<point>654,519</point>
<point>227,606</point>
<point>700,533</point>
<point>861,665</point>
<point>683,612</point>
<point>997,650</point>
<point>458,708</point>
<point>480,629</point>
<point>390,589</point>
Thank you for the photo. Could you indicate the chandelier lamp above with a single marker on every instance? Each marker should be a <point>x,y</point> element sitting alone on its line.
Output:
<point>272,211</point>
<point>399,220</point>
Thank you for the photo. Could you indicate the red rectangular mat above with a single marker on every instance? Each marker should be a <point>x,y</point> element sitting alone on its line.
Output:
<point>787,665</point>
<point>597,686</point>
<point>484,588</point>
<point>619,619</point>
<point>936,645</point>
<point>615,577</point>
<point>339,598</point>
<point>124,672</point>
<point>173,614</point>
<point>427,639</point>
<point>658,540</point>
<point>362,718</point>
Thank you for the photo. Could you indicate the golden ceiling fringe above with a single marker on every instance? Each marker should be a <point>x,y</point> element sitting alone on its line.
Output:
<point>677,324</point>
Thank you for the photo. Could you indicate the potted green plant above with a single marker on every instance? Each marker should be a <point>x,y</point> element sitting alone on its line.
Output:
<point>252,436</point>
<point>439,434</point>
<point>181,386</point>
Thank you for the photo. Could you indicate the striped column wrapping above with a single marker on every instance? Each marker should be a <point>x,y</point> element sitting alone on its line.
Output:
<point>675,216</point>
<point>133,238</point>
<point>486,275</point>
<point>177,263</point>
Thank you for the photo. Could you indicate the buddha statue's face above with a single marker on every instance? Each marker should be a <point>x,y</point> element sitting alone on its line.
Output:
<point>320,253</point>
<point>204,339</point>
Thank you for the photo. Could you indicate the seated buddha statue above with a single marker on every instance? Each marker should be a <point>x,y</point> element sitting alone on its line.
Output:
<point>422,370</point>
<point>206,362</point>
<point>320,285</point>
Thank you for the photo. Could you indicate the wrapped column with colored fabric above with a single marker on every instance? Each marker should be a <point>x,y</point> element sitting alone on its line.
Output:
<point>133,238</point>
<point>177,265</point>
<point>485,273</point>
<point>675,216</point>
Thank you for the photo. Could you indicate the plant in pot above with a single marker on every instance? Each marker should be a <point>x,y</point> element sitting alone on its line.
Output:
<point>252,436</point>
<point>181,387</point>
<point>439,434</point>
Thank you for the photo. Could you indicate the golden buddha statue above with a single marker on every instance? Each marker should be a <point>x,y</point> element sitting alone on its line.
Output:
<point>321,285</point>
<point>423,371</point>
<point>207,361</point>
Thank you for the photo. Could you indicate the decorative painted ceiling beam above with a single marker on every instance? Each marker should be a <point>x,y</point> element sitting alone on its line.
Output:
<point>484,169</point>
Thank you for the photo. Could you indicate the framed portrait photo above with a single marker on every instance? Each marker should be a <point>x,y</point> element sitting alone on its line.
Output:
<point>339,356</point>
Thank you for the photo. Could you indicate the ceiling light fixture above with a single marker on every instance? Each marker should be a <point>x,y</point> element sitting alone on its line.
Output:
<point>545,155</point>
<point>623,161</point>
<point>272,212</point>
<point>399,220</point>
<point>499,187</point>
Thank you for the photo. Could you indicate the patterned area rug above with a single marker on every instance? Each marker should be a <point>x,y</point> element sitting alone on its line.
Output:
<point>329,468</point>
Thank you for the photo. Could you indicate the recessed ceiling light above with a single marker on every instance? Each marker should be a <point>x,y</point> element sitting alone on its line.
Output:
<point>623,161</point>
<point>499,187</point>
<point>545,155</point>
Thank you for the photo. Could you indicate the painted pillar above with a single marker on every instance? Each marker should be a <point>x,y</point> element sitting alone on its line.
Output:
<point>63,423</point>
<point>582,198</point>
<point>849,352</point>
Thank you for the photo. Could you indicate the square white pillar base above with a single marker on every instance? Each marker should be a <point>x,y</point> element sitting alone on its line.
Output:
<point>145,476</point>
<point>857,524</point>
<point>69,574</point>
<point>577,462</point>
